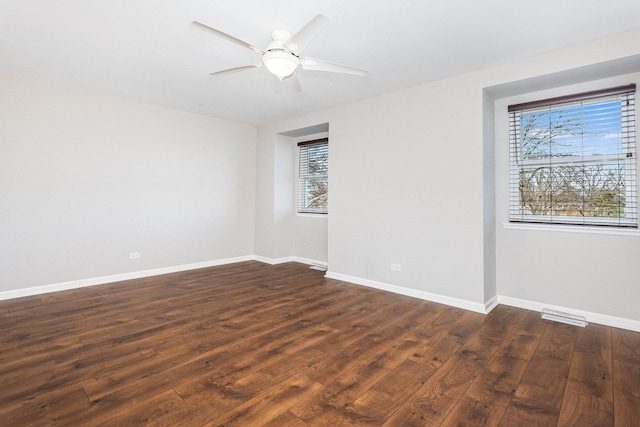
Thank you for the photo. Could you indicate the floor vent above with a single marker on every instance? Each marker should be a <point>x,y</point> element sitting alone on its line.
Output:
<point>558,316</point>
<point>318,267</point>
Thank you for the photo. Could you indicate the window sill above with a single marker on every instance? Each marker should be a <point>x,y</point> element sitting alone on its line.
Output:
<point>312,215</point>
<point>573,229</point>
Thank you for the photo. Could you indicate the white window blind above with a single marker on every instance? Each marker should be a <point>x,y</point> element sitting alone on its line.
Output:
<point>573,160</point>
<point>313,182</point>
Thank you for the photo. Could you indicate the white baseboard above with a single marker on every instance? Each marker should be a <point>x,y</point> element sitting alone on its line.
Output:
<point>275,261</point>
<point>309,261</point>
<point>74,284</point>
<point>491,304</point>
<point>428,296</point>
<point>602,319</point>
<point>272,261</point>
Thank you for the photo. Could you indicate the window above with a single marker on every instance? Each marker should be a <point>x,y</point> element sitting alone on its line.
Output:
<point>573,160</point>
<point>313,182</point>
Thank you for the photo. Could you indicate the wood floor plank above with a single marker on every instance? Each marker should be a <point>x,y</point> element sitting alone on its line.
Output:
<point>444,335</point>
<point>270,403</point>
<point>261,375</point>
<point>537,399</point>
<point>440,393</point>
<point>340,395</point>
<point>255,344</point>
<point>286,419</point>
<point>329,400</point>
<point>443,338</point>
<point>487,398</point>
<point>626,377</point>
<point>588,399</point>
<point>350,353</point>
<point>375,406</point>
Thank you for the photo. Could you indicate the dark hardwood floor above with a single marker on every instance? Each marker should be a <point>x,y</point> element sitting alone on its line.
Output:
<point>251,344</point>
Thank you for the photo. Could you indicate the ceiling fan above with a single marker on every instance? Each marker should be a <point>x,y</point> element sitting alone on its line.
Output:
<point>282,56</point>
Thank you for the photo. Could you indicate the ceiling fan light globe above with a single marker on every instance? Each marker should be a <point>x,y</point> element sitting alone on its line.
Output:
<point>281,64</point>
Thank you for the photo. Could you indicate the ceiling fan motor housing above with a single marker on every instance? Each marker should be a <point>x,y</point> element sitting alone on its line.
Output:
<point>278,59</point>
<point>280,62</point>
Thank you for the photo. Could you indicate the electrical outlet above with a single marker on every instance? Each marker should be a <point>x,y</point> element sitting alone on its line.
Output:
<point>396,267</point>
<point>134,255</point>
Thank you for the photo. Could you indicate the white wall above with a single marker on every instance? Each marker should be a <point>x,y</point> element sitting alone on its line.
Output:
<point>396,197</point>
<point>284,196</point>
<point>86,179</point>
<point>489,199</point>
<point>312,237</point>
<point>385,155</point>
<point>265,231</point>
<point>406,188</point>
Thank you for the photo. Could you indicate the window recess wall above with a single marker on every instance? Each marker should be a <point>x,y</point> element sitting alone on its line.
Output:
<point>591,269</point>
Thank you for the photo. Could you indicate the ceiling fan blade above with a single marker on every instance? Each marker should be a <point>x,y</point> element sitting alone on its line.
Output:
<point>302,38</point>
<point>293,82</point>
<point>235,70</point>
<point>226,36</point>
<point>314,64</point>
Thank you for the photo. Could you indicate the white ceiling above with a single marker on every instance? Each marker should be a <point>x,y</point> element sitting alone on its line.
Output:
<point>146,50</point>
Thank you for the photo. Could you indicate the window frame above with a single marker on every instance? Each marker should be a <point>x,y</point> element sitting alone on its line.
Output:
<point>304,177</point>
<point>628,164</point>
